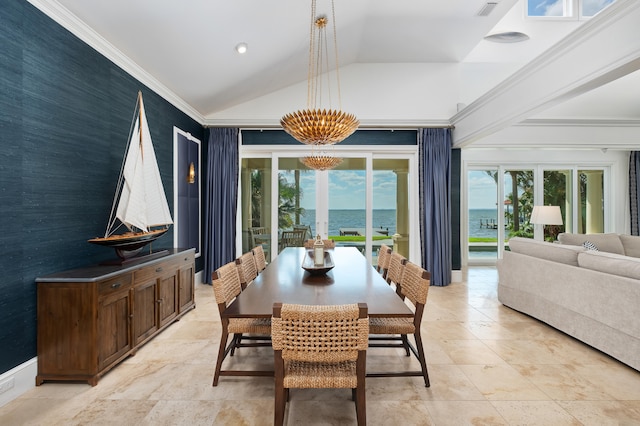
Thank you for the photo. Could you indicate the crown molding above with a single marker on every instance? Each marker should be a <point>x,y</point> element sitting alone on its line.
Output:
<point>70,22</point>
<point>553,122</point>
<point>364,124</point>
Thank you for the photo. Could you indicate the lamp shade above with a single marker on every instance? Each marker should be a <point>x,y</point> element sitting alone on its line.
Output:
<point>546,215</point>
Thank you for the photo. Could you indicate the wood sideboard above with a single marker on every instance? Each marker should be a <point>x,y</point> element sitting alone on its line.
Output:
<point>92,318</point>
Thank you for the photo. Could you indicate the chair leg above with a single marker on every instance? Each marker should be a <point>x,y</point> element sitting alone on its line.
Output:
<point>237,339</point>
<point>405,343</point>
<point>281,396</point>
<point>221,355</point>
<point>423,362</point>
<point>361,405</point>
<point>279,407</point>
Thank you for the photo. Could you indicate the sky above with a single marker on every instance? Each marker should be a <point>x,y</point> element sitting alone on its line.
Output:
<point>556,7</point>
<point>347,189</point>
<point>483,190</point>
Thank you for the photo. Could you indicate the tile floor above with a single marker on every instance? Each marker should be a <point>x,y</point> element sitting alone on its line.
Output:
<point>488,365</point>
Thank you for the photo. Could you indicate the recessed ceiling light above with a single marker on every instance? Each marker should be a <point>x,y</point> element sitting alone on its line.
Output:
<point>242,48</point>
<point>507,37</point>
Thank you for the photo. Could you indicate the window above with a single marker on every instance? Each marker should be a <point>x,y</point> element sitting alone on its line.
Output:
<point>565,8</point>
<point>500,199</point>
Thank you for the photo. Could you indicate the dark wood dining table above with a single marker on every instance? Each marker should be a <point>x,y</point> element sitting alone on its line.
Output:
<point>352,280</point>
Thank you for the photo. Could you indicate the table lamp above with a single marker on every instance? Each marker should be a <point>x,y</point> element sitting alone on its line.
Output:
<point>546,215</point>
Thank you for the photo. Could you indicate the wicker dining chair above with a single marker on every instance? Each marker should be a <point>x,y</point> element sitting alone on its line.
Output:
<point>328,244</point>
<point>415,288</point>
<point>259,257</point>
<point>247,270</point>
<point>320,346</point>
<point>226,287</point>
<point>384,256</point>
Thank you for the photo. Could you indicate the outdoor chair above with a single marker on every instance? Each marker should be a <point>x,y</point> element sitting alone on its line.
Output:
<point>292,239</point>
<point>259,257</point>
<point>320,346</point>
<point>247,270</point>
<point>415,288</point>
<point>258,234</point>
<point>226,287</point>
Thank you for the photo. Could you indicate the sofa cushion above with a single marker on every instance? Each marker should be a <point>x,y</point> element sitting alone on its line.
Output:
<point>610,263</point>
<point>555,252</point>
<point>610,243</point>
<point>631,244</point>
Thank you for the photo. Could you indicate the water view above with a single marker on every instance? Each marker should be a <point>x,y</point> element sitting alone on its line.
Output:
<point>352,218</point>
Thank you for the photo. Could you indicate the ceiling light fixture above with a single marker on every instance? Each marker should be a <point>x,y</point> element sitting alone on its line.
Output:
<point>314,125</point>
<point>242,48</point>
<point>507,37</point>
<point>320,159</point>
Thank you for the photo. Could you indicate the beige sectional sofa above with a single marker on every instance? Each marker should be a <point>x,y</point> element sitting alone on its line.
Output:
<point>591,294</point>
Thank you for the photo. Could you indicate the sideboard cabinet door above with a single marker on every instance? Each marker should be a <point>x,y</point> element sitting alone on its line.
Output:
<point>114,325</point>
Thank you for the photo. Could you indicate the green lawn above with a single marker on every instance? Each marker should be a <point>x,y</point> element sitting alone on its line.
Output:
<point>356,238</point>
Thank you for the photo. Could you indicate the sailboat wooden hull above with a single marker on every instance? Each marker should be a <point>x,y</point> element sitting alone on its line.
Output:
<point>130,244</point>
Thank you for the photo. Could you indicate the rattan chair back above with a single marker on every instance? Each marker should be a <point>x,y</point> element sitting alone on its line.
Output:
<point>226,285</point>
<point>259,257</point>
<point>320,333</point>
<point>396,268</point>
<point>247,270</point>
<point>384,256</point>
<point>415,284</point>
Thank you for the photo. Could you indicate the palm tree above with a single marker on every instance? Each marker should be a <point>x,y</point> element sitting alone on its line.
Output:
<point>288,200</point>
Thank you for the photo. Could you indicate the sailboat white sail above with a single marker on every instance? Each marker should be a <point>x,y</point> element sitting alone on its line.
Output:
<point>140,202</point>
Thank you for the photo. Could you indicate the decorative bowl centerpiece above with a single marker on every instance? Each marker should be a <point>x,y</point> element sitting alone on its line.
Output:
<point>309,263</point>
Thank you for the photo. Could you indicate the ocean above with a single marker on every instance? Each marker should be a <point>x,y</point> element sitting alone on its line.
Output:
<point>385,219</point>
<point>484,216</point>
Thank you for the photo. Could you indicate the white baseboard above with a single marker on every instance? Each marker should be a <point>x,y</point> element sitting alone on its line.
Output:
<point>456,276</point>
<point>198,277</point>
<point>18,380</point>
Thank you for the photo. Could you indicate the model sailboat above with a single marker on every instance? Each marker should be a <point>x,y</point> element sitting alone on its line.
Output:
<point>140,203</point>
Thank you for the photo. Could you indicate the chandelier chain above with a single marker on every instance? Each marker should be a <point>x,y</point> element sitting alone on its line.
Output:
<point>335,44</point>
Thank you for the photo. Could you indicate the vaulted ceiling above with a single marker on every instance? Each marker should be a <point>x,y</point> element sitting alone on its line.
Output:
<point>186,51</point>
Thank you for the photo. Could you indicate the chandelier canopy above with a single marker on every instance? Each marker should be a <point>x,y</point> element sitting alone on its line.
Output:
<point>315,125</point>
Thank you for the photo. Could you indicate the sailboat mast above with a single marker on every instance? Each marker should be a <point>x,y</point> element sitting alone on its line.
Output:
<point>140,112</point>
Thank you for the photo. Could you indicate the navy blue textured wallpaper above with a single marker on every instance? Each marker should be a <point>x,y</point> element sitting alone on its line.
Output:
<point>65,115</point>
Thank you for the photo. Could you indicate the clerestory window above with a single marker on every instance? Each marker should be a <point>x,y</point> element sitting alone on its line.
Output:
<point>568,9</point>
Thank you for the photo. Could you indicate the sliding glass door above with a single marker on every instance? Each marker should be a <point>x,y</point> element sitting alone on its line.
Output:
<point>364,202</point>
<point>500,200</point>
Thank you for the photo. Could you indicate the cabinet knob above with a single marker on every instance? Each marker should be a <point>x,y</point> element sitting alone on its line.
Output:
<point>158,269</point>
<point>116,285</point>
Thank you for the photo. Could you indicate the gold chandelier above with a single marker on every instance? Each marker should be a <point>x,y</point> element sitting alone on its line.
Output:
<point>320,160</point>
<point>314,125</point>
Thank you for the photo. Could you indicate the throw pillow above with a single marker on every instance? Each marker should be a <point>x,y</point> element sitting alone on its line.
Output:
<point>590,246</point>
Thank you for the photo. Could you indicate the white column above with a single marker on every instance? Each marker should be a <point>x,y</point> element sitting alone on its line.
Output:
<point>594,214</point>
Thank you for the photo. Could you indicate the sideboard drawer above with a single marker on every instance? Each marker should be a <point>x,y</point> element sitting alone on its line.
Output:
<point>120,283</point>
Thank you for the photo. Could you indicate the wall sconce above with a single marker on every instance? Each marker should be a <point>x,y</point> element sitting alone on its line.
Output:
<point>191,175</point>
